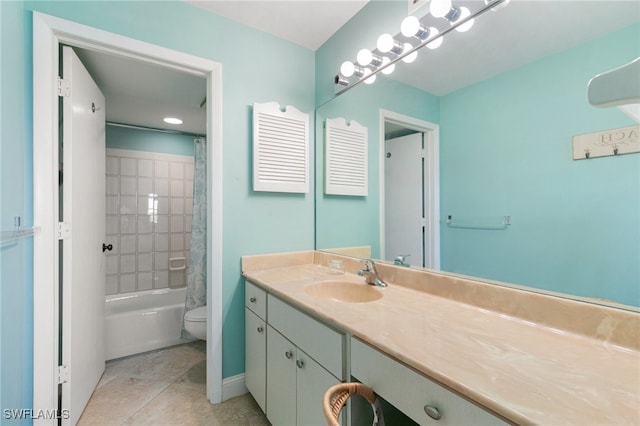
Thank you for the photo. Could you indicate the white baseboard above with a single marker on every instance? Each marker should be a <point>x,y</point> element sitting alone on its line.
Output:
<point>233,386</point>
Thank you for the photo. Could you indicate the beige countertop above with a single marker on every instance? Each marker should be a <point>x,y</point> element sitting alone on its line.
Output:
<point>525,371</point>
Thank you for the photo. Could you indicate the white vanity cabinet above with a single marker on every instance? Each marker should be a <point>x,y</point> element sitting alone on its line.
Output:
<point>256,343</point>
<point>423,400</point>
<point>291,359</point>
<point>295,383</point>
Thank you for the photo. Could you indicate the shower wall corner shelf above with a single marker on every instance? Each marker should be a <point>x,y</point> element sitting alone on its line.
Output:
<point>280,148</point>
<point>506,222</point>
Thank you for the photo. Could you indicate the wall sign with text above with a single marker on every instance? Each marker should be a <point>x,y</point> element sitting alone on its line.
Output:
<point>625,140</point>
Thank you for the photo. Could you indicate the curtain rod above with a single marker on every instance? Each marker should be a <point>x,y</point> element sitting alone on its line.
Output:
<point>153,129</point>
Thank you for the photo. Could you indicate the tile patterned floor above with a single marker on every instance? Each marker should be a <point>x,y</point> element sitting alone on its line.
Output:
<point>164,387</point>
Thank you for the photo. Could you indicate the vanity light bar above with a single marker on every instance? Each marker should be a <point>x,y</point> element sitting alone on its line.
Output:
<point>390,50</point>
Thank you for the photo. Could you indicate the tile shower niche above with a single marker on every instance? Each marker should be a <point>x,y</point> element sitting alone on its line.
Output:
<point>149,201</point>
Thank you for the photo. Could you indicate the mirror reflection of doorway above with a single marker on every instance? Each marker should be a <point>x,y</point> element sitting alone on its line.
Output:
<point>404,199</point>
<point>409,167</point>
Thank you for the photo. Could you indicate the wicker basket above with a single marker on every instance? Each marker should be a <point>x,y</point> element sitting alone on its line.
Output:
<point>336,397</point>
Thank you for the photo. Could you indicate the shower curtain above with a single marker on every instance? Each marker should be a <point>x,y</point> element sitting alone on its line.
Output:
<point>197,272</point>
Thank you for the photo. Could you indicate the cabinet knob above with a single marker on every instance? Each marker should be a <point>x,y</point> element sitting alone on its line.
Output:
<point>300,363</point>
<point>260,329</point>
<point>432,412</point>
<point>288,354</point>
<point>252,300</point>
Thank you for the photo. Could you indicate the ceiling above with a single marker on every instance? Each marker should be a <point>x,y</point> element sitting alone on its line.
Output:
<point>501,40</point>
<point>308,23</point>
<point>140,93</point>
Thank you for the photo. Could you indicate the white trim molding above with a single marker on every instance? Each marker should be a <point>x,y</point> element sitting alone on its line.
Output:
<point>48,33</point>
<point>233,386</point>
<point>432,181</point>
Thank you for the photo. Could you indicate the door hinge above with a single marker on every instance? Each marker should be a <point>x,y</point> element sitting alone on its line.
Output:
<point>63,374</point>
<point>63,230</point>
<point>64,87</point>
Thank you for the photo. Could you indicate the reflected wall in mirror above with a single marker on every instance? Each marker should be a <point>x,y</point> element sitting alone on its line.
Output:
<point>506,99</point>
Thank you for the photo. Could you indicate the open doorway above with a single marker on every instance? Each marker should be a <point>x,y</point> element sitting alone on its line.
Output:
<point>409,196</point>
<point>49,34</point>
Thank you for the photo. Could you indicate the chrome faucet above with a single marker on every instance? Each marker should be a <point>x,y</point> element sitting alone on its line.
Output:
<point>401,260</point>
<point>370,273</point>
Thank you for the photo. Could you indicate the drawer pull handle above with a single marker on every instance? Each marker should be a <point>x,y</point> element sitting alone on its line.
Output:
<point>252,300</point>
<point>260,329</point>
<point>288,354</point>
<point>432,412</point>
<point>300,363</point>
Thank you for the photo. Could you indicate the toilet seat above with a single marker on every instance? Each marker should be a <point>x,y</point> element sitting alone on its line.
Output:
<point>196,315</point>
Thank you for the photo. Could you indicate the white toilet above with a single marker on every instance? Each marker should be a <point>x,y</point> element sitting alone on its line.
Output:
<point>195,322</point>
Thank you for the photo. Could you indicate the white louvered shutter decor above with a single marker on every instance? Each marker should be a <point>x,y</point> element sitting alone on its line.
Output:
<point>280,149</point>
<point>346,163</point>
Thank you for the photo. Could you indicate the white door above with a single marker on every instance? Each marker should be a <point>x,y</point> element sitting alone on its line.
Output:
<point>404,198</point>
<point>82,309</point>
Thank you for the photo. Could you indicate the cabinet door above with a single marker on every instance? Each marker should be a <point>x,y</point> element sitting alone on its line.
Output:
<point>281,379</point>
<point>256,357</point>
<point>312,382</point>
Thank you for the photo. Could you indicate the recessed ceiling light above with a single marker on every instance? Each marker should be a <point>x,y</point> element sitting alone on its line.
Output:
<point>172,120</point>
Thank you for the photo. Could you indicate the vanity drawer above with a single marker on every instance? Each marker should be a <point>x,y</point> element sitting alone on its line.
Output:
<point>320,342</point>
<point>255,299</point>
<point>411,392</point>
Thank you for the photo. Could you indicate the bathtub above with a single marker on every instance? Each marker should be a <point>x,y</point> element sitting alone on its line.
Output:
<point>143,321</point>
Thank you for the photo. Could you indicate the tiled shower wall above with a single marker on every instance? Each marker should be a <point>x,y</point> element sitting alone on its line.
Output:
<point>149,201</point>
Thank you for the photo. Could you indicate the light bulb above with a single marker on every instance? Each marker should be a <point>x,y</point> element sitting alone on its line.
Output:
<point>464,12</point>
<point>364,57</point>
<point>371,79</point>
<point>412,56</point>
<point>439,8</point>
<point>390,68</point>
<point>347,68</point>
<point>436,42</point>
<point>385,43</point>
<point>172,120</point>
<point>409,26</point>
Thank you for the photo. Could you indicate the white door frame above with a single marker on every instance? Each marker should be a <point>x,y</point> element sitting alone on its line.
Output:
<point>48,33</point>
<point>431,176</point>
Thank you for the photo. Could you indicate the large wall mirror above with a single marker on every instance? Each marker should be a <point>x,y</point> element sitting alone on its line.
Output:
<point>481,132</point>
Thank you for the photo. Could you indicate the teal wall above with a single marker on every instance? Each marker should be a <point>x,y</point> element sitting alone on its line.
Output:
<point>253,222</point>
<point>149,141</point>
<point>16,260</point>
<point>506,149</point>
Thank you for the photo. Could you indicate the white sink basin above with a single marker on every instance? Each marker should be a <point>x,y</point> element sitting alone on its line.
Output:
<point>344,291</point>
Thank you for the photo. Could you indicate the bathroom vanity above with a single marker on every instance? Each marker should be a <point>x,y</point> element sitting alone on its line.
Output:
<point>442,349</point>
<point>292,359</point>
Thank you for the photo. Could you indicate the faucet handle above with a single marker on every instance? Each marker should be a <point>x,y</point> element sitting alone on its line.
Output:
<point>368,263</point>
